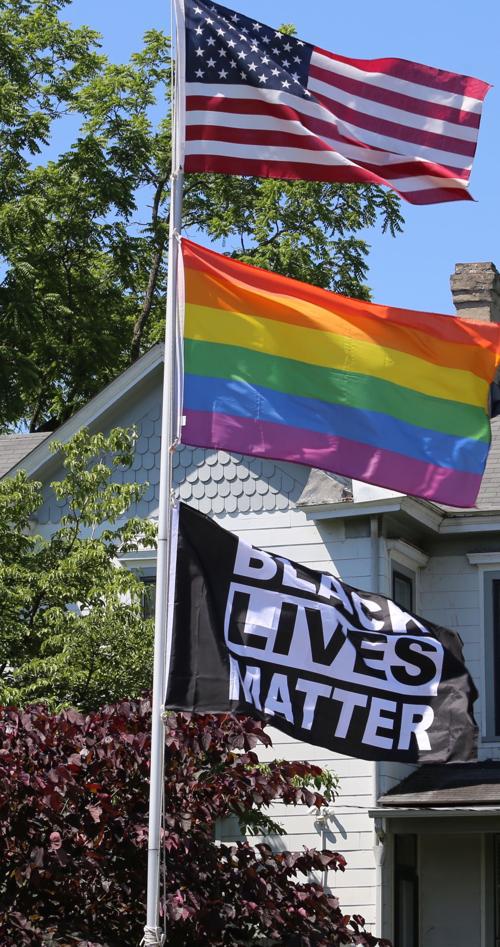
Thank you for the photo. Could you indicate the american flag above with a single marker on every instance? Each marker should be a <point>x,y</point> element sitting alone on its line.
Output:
<point>257,101</point>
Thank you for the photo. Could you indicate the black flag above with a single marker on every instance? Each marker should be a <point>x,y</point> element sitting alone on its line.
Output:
<point>327,663</point>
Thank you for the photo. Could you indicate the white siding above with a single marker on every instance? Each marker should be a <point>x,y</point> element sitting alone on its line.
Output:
<point>390,774</point>
<point>450,596</point>
<point>349,829</point>
<point>450,890</point>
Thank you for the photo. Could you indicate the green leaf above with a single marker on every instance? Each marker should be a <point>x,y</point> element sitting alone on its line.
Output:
<point>71,624</point>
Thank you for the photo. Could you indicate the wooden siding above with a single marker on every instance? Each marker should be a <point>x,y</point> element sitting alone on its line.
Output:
<point>450,595</point>
<point>349,829</point>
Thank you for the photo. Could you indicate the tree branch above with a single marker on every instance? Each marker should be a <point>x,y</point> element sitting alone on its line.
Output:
<point>36,413</point>
<point>141,321</point>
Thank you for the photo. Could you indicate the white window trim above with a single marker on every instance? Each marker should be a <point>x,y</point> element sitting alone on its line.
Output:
<point>410,558</point>
<point>485,562</point>
<point>406,554</point>
<point>140,559</point>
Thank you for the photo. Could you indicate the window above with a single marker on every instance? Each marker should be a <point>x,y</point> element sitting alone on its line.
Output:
<point>406,564</point>
<point>491,727</point>
<point>148,595</point>
<point>496,876</point>
<point>403,588</point>
<point>496,649</point>
<point>142,562</point>
<point>405,891</point>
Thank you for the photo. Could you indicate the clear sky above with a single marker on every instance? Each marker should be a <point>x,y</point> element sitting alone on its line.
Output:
<point>412,270</point>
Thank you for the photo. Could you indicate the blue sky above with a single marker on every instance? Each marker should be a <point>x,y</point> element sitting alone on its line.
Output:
<point>412,270</point>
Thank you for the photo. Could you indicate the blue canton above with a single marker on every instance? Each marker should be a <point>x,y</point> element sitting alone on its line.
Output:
<point>226,48</point>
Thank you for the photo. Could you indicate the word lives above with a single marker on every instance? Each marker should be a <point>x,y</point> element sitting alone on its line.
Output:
<point>334,666</point>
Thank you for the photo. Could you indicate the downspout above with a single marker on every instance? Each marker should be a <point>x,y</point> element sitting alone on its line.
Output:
<point>374,554</point>
<point>378,833</point>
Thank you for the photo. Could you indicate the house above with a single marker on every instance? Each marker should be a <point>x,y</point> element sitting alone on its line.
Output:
<point>422,845</point>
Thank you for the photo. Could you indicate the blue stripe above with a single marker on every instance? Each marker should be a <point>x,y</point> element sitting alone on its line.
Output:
<point>220,396</point>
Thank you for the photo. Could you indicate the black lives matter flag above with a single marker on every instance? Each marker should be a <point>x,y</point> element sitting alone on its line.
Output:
<point>324,662</point>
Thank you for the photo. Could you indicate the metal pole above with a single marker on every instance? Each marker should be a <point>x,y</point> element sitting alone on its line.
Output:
<point>153,936</point>
<point>152,932</point>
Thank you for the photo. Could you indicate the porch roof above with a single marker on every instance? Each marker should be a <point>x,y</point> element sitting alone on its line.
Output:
<point>447,785</point>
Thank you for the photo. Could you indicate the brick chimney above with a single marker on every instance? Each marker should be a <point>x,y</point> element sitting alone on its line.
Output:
<point>475,288</point>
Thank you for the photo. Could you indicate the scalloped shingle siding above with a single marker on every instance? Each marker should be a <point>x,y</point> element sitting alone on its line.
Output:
<point>215,482</point>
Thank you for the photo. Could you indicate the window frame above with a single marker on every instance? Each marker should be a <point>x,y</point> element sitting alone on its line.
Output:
<point>491,650</point>
<point>408,560</point>
<point>400,572</point>
<point>148,578</point>
<point>488,566</point>
<point>143,563</point>
<point>409,874</point>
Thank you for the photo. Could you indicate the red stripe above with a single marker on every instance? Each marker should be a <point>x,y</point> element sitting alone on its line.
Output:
<point>297,170</point>
<point>260,106</point>
<point>289,170</point>
<point>437,195</point>
<point>320,127</point>
<point>382,126</point>
<point>366,90</point>
<point>436,325</point>
<point>256,136</point>
<point>415,169</point>
<point>269,139</point>
<point>438,79</point>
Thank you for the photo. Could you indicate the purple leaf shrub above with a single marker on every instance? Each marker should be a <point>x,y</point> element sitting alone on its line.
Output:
<point>73,835</point>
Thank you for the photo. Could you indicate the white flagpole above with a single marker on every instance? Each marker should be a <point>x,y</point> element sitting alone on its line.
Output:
<point>171,412</point>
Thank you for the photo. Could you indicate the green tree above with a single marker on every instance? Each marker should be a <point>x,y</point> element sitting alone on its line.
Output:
<point>77,261</point>
<point>43,62</point>
<point>83,235</point>
<point>308,230</point>
<point>71,623</point>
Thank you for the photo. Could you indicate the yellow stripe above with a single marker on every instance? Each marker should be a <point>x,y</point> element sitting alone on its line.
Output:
<point>346,317</point>
<point>334,351</point>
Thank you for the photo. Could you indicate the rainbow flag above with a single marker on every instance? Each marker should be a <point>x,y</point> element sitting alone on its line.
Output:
<point>280,369</point>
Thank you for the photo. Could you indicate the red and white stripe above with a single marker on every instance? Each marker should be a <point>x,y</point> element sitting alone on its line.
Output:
<point>386,121</point>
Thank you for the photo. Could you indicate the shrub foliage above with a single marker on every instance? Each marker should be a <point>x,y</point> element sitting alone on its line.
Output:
<point>73,835</point>
<point>72,630</point>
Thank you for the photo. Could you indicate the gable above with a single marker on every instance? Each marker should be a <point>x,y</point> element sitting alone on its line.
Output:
<point>216,482</point>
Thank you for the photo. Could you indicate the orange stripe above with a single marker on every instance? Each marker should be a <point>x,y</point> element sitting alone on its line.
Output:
<point>216,292</point>
<point>243,276</point>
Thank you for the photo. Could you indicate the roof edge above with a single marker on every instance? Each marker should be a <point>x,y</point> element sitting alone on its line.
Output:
<point>98,406</point>
<point>423,511</point>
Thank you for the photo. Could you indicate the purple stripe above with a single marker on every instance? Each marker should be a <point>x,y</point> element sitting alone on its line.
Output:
<point>335,454</point>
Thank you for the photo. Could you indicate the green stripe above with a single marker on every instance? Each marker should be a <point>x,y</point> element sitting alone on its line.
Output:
<point>336,387</point>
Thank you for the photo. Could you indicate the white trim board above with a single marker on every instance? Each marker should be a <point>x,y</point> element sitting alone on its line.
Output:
<point>99,405</point>
<point>421,510</point>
